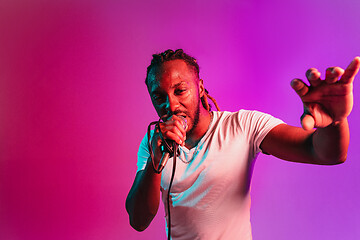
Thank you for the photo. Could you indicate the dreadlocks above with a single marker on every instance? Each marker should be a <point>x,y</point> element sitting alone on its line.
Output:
<point>168,55</point>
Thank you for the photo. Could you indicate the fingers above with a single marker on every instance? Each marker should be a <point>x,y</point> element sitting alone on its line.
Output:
<point>313,76</point>
<point>174,129</point>
<point>329,99</point>
<point>333,74</point>
<point>175,137</point>
<point>180,123</point>
<point>351,71</point>
<point>299,86</point>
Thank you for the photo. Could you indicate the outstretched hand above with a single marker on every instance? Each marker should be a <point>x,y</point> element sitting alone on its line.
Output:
<point>326,101</point>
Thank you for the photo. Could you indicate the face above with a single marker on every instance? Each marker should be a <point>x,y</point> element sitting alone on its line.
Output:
<point>175,90</point>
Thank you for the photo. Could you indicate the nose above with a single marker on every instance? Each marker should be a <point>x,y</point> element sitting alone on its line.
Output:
<point>172,104</point>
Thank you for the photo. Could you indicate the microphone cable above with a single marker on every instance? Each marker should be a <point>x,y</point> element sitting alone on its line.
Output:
<point>172,150</point>
<point>175,146</point>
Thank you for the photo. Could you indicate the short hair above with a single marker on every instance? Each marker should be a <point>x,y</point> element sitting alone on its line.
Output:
<point>168,55</point>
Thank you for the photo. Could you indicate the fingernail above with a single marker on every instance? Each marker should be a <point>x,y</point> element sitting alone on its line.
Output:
<point>294,83</point>
<point>311,75</point>
<point>354,60</point>
<point>308,73</point>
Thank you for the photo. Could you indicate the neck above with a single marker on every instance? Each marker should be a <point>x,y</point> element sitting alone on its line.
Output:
<point>202,127</point>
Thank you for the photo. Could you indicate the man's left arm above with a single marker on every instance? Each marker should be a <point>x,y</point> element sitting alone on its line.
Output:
<point>327,104</point>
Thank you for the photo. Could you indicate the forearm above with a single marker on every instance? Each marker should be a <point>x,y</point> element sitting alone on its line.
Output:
<point>330,144</point>
<point>143,199</point>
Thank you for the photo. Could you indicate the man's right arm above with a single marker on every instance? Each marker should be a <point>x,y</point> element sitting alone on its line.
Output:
<point>142,202</point>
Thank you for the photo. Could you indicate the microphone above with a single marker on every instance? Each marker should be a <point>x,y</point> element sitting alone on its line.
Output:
<point>165,157</point>
<point>167,153</point>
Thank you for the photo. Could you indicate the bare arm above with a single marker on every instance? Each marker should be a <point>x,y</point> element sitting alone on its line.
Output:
<point>143,200</point>
<point>325,146</point>
<point>327,104</point>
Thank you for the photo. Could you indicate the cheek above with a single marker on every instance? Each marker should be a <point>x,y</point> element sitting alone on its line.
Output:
<point>160,110</point>
<point>193,106</point>
<point>190,98</point>
<point>195,99</point>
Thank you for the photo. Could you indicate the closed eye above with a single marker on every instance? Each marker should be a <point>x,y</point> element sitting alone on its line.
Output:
<point>157,98</point>
<point>180,91</point>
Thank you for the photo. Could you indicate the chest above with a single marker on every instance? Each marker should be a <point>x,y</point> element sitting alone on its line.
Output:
<point>207,170</point>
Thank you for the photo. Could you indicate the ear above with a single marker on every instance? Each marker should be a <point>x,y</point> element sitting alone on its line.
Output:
<point>201,88</point>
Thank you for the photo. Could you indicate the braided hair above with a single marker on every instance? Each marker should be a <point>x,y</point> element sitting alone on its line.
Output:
<point>168,55</point>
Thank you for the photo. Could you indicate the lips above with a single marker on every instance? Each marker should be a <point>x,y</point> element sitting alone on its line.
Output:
<point>168,116</point>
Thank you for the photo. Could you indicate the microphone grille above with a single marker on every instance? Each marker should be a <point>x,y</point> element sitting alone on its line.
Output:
<point>184,122</point>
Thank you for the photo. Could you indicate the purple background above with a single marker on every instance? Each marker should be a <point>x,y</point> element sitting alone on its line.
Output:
<point>74,107</point>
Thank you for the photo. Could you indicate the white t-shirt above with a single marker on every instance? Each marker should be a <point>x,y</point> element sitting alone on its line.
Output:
<point>210,195</point>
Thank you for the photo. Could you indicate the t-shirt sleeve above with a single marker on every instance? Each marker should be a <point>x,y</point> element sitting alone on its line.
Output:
<point>257,125</point>
<point>143,154</point>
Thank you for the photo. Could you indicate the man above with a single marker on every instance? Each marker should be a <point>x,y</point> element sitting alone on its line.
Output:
<point>209,198</point>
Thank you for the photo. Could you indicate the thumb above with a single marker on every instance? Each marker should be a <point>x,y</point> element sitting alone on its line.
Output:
<point>307,122</point>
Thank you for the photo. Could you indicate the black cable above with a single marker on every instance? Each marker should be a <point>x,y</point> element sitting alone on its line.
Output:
<point>156,123</point>
<point>175,147</point>
<point>173,152</point>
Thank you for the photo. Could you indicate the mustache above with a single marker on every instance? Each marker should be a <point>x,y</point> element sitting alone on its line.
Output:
<point>167,116</point>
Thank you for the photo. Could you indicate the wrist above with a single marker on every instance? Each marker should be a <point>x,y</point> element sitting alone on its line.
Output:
<point>338,122</point>
<point>153,166</point>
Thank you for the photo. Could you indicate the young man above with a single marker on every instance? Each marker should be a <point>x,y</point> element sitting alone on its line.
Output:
<point>209,197</point>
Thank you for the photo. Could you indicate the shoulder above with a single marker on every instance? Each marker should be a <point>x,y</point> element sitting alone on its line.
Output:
<point>243,116</point>
<point>249,122</point>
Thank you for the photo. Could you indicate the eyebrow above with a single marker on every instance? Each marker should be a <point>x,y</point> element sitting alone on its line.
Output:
<point>178,84</point>
<point>156,91</point>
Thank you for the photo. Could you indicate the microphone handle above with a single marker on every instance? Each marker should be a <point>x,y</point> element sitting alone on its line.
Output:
<point>163,161</point>
<point>165,157</point>
<point>175,146</point>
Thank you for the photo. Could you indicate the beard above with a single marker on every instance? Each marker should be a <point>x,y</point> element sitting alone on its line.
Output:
<point>196,118</point>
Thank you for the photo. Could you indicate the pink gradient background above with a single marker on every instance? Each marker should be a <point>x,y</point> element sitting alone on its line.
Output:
<point>74,107</point>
